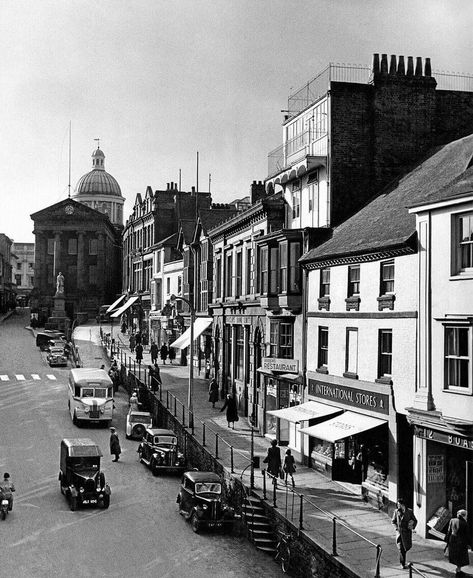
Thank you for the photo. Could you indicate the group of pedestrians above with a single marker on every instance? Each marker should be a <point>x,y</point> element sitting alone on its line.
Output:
<point>278,469</point>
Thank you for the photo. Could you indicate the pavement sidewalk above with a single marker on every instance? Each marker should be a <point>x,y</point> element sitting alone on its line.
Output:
<point>340,500</point>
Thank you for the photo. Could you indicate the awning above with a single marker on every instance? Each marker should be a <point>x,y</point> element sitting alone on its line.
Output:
<point>305,411</point>
<point>340,427</point>
<point>115,304</point>
<point>123,308</point>
<point>200,325</point>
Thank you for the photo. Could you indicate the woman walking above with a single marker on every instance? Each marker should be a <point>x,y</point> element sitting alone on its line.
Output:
<point>213,392</point>
<point>163,352</point>
<point>458,540</point>
<point>289,466</point>
<point>232,411</point>
<point>405,522</point>
<point>273,459</point>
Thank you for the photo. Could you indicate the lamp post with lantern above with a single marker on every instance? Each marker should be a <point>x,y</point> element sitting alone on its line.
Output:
<point>190,391</point>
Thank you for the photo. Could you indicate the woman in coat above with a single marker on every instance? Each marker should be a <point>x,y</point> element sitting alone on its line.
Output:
<point>232,412</point>
<point>163,352</point>
<point>458,540</point>
<point>273,459</point>
<point>405,522</point>
<point>213,392</point>
<point>115,448</point>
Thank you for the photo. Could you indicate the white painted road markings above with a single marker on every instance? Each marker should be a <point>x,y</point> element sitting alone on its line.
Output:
<point>4,377</point>
<point>50,376</point>
<point>35,376</point>
<point>20,377</point>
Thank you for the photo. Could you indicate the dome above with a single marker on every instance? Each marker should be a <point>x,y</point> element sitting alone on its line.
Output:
<point>98,181</point>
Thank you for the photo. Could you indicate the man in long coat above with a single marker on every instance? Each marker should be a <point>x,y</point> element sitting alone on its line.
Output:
<point>458,540</point>
<point>405,522</point>
<point>115,448</point>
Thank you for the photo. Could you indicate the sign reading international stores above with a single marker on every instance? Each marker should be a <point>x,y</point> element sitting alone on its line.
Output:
<point>369,400</point>
<point>283,365</point>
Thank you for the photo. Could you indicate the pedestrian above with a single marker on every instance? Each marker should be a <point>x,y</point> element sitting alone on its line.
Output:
<point>155,377</point>
<point>405,522</point>
<point>154,353</point>
<point>123,327</point>
<point>458,540</point>
<point>115,448</point>
<point>289,466</point>
<point>139,353</point>
<point>133,403</point>
<point>132,342</point>
<point>232,412</point>
<point>144,340</point>
<point>213,391</point>
<point>273,459</point>
<point>172,354</point>
<point>138,338</point>
<point>102,366</point>
<point>6,489</point>
<point>114,375</point>
<point>163,352</point>
<point>207,368</point>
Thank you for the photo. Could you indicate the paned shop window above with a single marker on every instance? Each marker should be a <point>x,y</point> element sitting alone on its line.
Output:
<point>323,348</point>
<point>457,359</point>
<point>385,347</point>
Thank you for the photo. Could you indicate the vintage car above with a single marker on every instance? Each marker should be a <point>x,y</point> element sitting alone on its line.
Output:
<point>44,338</point>
<point>80,478</point>
<point>200,501</point>
<point>57,355</point>
<point>136,424</point>
<point>160,452</point>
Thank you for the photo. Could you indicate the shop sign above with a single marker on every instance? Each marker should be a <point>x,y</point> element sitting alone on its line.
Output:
<point>239,319</point>
<point>284,365</point>
<point>436,469</point>
<point>443,438</point>
<point>350,396</point>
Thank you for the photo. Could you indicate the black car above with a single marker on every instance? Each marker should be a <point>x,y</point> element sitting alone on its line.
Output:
<point>160,452</point>
<point>80,478</point>
<point>44,338</point>
<point>200,501</point>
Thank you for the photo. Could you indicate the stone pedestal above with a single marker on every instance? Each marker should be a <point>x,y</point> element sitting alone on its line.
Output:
<point>59,319</point>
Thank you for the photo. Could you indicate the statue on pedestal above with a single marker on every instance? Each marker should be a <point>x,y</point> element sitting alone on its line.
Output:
<point>60,283</point>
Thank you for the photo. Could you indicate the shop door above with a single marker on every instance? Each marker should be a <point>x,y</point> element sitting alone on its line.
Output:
<point>344,463</point>
<point>469,495</point>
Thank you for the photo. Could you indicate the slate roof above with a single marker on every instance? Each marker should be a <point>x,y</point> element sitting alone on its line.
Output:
<point>385,222</point>
<point>210,218</point>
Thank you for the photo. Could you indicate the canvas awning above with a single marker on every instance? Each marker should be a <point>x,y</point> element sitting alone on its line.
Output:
<point>114,305</point>
<point>200,325</point>
<point>123,308</point>
<point>305,411</point>
<point>345,425</point>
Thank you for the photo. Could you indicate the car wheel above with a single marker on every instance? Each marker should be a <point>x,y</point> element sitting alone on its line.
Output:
<point>195,523</point>
<point>154,468</point>
<point>139,431</point>
<point>73,503</point>
<point>106,501</point>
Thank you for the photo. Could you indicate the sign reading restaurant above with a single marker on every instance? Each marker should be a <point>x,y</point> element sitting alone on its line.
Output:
<point>284,365</point>
<point>350,396</point>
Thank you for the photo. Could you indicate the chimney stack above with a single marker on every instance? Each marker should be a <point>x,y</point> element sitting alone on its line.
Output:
<point>410,66</point>
<point>257,191</point>
<point>384,64</point>
<point>401,70</point>
<point>375,63</point>
<point>427,68</point>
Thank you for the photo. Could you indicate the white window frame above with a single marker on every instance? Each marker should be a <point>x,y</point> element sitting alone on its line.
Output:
<point>453,388</point>
<point>458,243</point>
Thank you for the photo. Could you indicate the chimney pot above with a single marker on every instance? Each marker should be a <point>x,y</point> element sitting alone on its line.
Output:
<point>401,70</point>
<point>384,64</point>
<point>392,64</point>
<point>418,71</point>
<point>410,66</point>
<point>428,67</point>
<point>375,63</point>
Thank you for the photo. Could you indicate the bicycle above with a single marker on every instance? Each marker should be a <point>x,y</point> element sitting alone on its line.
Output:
<point>283,552</point>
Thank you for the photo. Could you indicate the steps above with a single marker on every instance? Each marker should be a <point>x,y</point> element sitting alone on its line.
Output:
<point>260,531</point>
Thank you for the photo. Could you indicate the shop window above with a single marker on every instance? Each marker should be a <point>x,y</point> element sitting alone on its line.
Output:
<point>322,363</point>
<point>463,226</point>
<point>457,359</point>
<point>281,336</point>
<point>351,360</point>
<point>385,353</point>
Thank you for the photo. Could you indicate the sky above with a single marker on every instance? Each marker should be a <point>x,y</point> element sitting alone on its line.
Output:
<point>158,81</point>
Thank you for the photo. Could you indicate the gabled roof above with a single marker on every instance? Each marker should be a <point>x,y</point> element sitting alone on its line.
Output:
<point>385,223</point>
<point>80,211</point>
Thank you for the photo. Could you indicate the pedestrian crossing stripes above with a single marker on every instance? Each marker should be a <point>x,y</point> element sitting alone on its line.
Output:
<point>22,377</point>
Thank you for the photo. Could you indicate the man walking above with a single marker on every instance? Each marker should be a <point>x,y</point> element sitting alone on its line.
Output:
<point>115,448</point>
<point>154,353</point>
<point>405,522</point>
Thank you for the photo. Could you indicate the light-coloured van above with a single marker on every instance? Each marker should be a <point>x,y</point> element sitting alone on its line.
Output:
<point>90,395</point>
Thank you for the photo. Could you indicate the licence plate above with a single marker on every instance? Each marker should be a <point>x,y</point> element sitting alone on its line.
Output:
<point>89,501</point>
<point>214,524</point>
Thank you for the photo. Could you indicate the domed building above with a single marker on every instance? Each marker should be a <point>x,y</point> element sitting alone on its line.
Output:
<point>100,191</point>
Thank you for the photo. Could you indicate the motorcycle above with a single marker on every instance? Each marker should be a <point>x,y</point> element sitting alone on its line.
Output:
<point>4,505</point>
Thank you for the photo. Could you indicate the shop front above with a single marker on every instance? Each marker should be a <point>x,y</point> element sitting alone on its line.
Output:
<point>443,470</point>
<point>352,445</point>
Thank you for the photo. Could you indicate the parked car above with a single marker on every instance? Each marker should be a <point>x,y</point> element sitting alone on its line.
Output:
<point>56,356</point>
<point>80,478</point>
<point>200,501</point>
<point>44,337</point>
<point>160,452</point>
<point>136,424</point>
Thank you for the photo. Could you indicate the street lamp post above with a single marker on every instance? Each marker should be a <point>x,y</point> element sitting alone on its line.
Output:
<point>190,391</point>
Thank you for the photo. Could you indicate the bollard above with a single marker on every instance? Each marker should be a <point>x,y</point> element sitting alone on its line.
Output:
<point>231,460</point>
<point>378,562</point>
<point>301,516</point>
<point>334,538</point>
<point>203,434</point>
<point>264,484</point>
<point>216,446</point>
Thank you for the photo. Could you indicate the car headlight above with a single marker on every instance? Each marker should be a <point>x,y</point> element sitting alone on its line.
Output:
<point>205,507</point>
<point>86,409</point>
<point>81,490</point>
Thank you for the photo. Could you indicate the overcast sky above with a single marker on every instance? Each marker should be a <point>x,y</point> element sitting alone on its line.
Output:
<point>159,80</point>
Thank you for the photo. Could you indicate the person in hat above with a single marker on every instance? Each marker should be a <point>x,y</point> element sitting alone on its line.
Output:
<point>458,541</point>
<point>6,489</point>
<point>115,448</point>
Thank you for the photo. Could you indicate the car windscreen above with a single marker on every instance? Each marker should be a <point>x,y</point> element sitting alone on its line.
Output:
<point>165,440</point>
<point>95,392</point>
<point>85,463</point>
<point>139,418</point>
<point>208,488</point>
